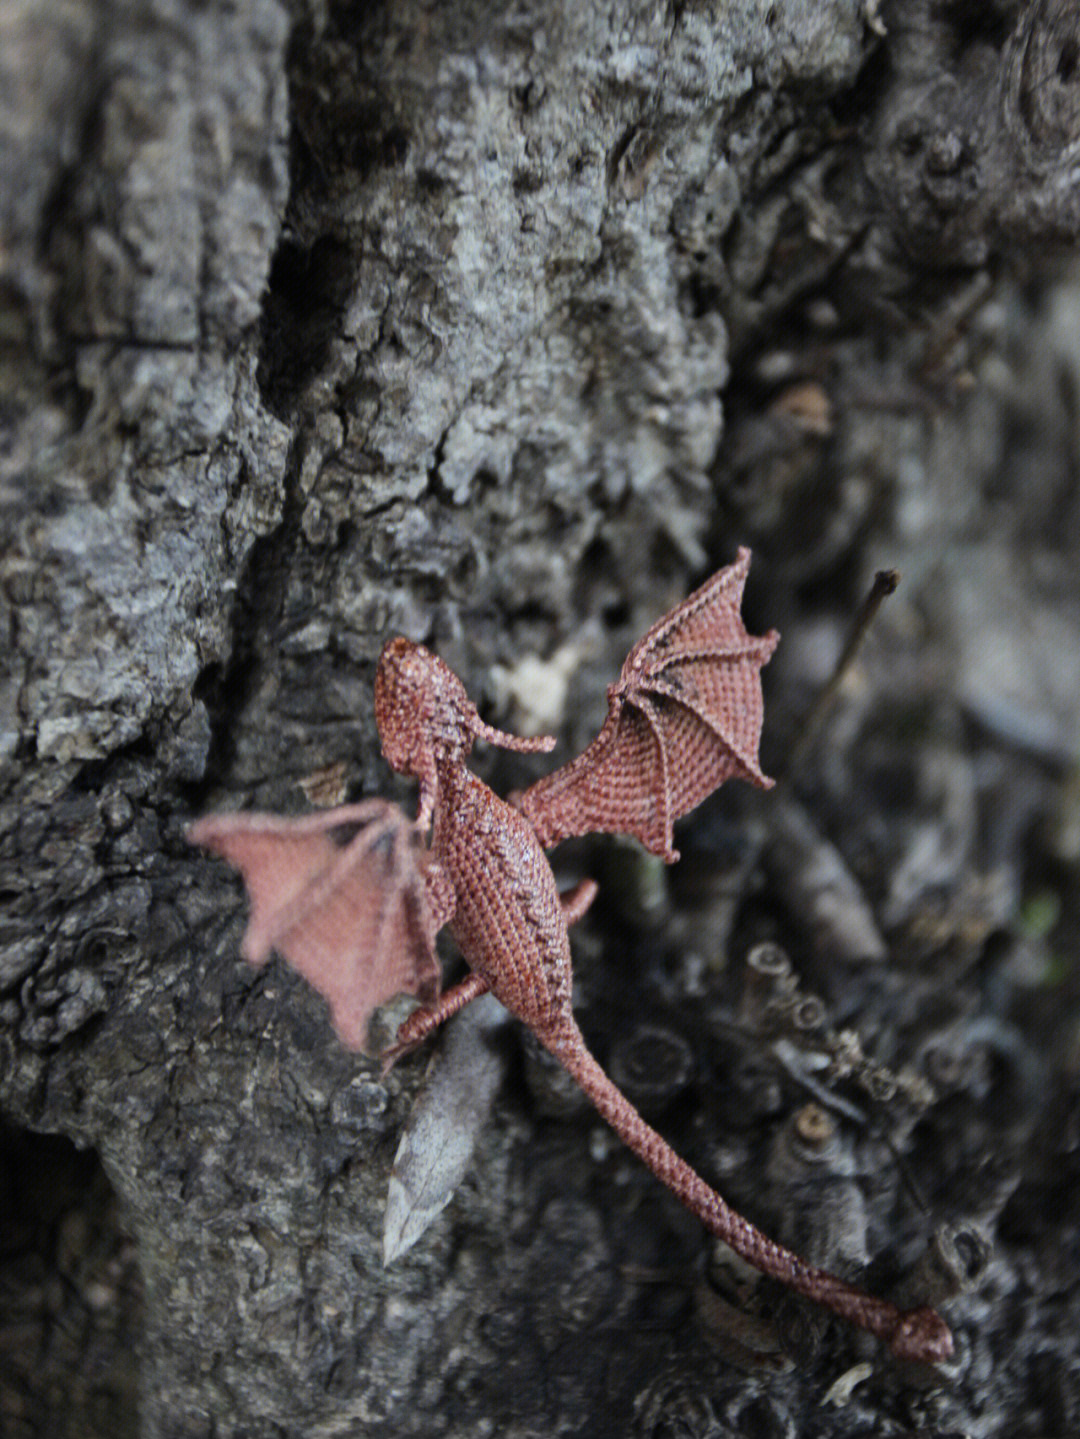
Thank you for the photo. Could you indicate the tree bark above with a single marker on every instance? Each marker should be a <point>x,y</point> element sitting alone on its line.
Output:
<point>498,327</point>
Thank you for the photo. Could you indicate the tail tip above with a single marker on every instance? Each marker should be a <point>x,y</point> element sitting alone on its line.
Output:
<point>923,1336</point>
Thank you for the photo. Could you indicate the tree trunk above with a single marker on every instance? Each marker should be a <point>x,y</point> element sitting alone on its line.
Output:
<point>498,327</point>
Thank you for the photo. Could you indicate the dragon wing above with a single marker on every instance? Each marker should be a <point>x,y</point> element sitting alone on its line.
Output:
<point>684,716</point>
<point>357,919</point>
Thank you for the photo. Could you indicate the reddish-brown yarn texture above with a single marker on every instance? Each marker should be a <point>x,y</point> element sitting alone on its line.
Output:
<point>359,920</point>
<point>684,716</point>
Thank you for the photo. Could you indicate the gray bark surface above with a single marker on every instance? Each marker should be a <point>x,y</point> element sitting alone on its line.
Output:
<point>498,327</point>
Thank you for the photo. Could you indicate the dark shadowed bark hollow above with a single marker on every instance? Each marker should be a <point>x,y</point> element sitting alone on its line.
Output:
<point>499,327</point>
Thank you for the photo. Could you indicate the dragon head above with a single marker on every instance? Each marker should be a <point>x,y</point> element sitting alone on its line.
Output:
<point>425,718</point>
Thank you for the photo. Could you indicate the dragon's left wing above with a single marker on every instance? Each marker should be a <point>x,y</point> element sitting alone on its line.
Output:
<point>356,918</point>
<point>684,715</point>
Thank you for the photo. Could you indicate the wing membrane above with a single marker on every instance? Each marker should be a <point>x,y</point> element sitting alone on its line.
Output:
<point>357,919</point>
<point>684,716</point>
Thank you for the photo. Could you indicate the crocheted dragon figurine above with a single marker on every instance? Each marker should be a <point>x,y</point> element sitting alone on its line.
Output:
<point>354,897</point>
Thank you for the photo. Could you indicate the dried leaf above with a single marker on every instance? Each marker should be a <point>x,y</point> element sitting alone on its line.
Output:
<point>439,1138</point>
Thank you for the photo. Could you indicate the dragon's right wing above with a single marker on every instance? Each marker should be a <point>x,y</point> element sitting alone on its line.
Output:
<point>684,715</point>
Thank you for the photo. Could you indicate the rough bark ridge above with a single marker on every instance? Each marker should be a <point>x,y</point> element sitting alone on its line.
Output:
<point>496,327</point>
